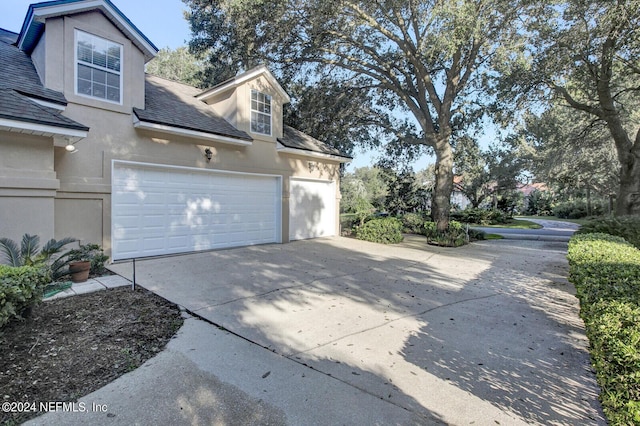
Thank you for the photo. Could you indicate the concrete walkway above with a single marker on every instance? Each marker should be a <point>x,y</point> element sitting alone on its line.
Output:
<point>91,285</point>
<point>340,331</point>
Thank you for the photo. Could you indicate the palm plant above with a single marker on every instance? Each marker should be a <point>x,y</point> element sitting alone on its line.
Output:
<point>28,253</point>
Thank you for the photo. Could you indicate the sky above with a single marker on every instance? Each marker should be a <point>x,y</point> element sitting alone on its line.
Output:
<point>162,21</point>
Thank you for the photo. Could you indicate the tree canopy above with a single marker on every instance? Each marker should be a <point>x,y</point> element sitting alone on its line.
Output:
<point>416,57</point>
<point>178,65</point>
<point>583,55</point>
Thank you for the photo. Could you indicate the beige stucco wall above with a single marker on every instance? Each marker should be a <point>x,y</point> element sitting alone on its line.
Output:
<point>85,176</point>
<point>28,186</point>
<point>60,60</point>
<point>81,206</point>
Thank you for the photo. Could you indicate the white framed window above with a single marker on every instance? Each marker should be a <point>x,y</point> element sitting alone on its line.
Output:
<point>260,113</point>
<point>98,67</point>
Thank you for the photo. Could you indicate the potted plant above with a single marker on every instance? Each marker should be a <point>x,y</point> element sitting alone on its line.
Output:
<point>88,258</point>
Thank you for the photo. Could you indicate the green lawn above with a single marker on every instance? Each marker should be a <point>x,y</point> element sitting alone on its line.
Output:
<point>515,224</point>
<point>578,221</point>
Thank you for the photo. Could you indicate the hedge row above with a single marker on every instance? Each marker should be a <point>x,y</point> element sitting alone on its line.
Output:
<point>627,227</point>
<point>606,272</point>
<point>387,230</point>
<point>20,289</point>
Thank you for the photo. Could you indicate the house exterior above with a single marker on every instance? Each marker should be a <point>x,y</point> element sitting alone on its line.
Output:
<point>92,147</point>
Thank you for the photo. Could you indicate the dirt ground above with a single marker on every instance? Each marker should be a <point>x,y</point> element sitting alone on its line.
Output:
<point>71,347</point>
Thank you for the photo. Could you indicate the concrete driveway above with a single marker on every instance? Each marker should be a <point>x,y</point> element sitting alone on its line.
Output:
<point>484,334</point>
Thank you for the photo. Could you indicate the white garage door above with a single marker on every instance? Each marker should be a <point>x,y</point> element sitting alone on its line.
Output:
<point>312,209</point>
<point>160,210</point>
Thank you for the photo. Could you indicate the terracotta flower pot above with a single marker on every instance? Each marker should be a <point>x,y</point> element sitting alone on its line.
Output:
<point>80,271</point>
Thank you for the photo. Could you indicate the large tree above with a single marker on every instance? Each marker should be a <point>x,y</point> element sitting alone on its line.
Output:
<point>178,65</point>
<point>490,173</point>
<point>571,151</point>
<point>584,53</point>
<point>417,57</point>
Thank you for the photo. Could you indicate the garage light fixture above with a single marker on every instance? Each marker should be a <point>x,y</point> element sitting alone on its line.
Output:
<point>312,165</point>
<point>208,154</point>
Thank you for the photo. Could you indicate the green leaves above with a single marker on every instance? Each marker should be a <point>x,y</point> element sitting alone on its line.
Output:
<point>20,288</point>
<point>606,272</point>
<point>385,231</point>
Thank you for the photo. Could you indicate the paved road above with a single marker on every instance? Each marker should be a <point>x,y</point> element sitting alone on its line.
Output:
<point>551,230</point>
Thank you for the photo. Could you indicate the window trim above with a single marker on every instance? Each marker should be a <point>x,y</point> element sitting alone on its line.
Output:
<point>76,63</point>
<point>252,111</point>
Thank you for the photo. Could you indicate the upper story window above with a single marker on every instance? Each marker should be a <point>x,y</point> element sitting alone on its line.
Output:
<point>98,64</point>
<point>260,113</point>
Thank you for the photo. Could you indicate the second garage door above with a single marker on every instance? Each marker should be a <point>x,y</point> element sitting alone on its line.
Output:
<point>159,210</point>
<point>311,209</point>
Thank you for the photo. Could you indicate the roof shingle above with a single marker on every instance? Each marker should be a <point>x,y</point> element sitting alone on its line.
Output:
<point>293,138</point>
<point>19,74</point>
<point>14,106</point>
<point>174,104</point>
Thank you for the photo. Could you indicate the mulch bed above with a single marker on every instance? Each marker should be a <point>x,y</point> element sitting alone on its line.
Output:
<point>68,348</point>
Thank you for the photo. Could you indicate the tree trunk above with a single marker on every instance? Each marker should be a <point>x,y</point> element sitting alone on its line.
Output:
<point>441,200</point>
<point>628,199</point>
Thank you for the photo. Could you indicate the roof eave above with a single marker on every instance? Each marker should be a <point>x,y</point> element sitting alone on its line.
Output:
<point>62,135</point>
<point>172,130</point>
<point>33,25</point>
<point>241,79</point>
<point>306,153</point>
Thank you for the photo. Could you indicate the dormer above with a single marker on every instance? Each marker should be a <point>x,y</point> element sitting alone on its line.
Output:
<point>89,51</point>
<point>252,102</point>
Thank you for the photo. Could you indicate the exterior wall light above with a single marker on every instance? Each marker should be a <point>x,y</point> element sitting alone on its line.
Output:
<point>208,154</point>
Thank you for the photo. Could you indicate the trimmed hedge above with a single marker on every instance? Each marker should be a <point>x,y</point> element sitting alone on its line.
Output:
<point>627,227</point>
<point>387,230</point>
<point>606,272</point>
<point>20,289</point>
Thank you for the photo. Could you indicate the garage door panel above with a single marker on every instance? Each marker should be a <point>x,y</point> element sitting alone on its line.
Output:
<point>162,210</point>
<point>311,209</point>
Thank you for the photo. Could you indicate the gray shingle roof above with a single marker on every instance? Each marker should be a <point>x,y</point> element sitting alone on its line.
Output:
<point>296,139</point>
<point>174,104</point>
<point>14,106</point>
<point>18,73</point>
<point>7,36</point>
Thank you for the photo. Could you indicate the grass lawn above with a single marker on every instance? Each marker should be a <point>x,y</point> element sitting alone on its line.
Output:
<point>578,221</point>
<point>516,224</point>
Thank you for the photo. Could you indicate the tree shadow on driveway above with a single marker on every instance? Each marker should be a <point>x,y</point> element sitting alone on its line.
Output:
<point>486,333</point>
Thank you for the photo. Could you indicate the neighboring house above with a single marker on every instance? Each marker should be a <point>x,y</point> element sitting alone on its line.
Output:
<point>92,147</point>
<point>458,199</point>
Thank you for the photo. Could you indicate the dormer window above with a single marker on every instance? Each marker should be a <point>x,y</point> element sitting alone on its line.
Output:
<point>260,113</point>
<point>98,65</point>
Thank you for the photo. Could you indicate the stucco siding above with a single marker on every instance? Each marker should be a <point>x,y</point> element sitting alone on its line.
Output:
<point>87,172</point>
<point>61,56</point>
<point>28,186</point>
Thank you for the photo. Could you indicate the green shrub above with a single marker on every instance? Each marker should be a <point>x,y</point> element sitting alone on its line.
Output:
<point>479,216</point>
<point>577,209</point>
<point>413,223</point>
<point>93,253</point>
<point>20,289</point>
<point>606,272</point>
<point>454,236</point>
<point>627,227</point>
<point>28,253</point>
<point>498,217</point>
<point>347,222</point>
<point>386,231</point>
